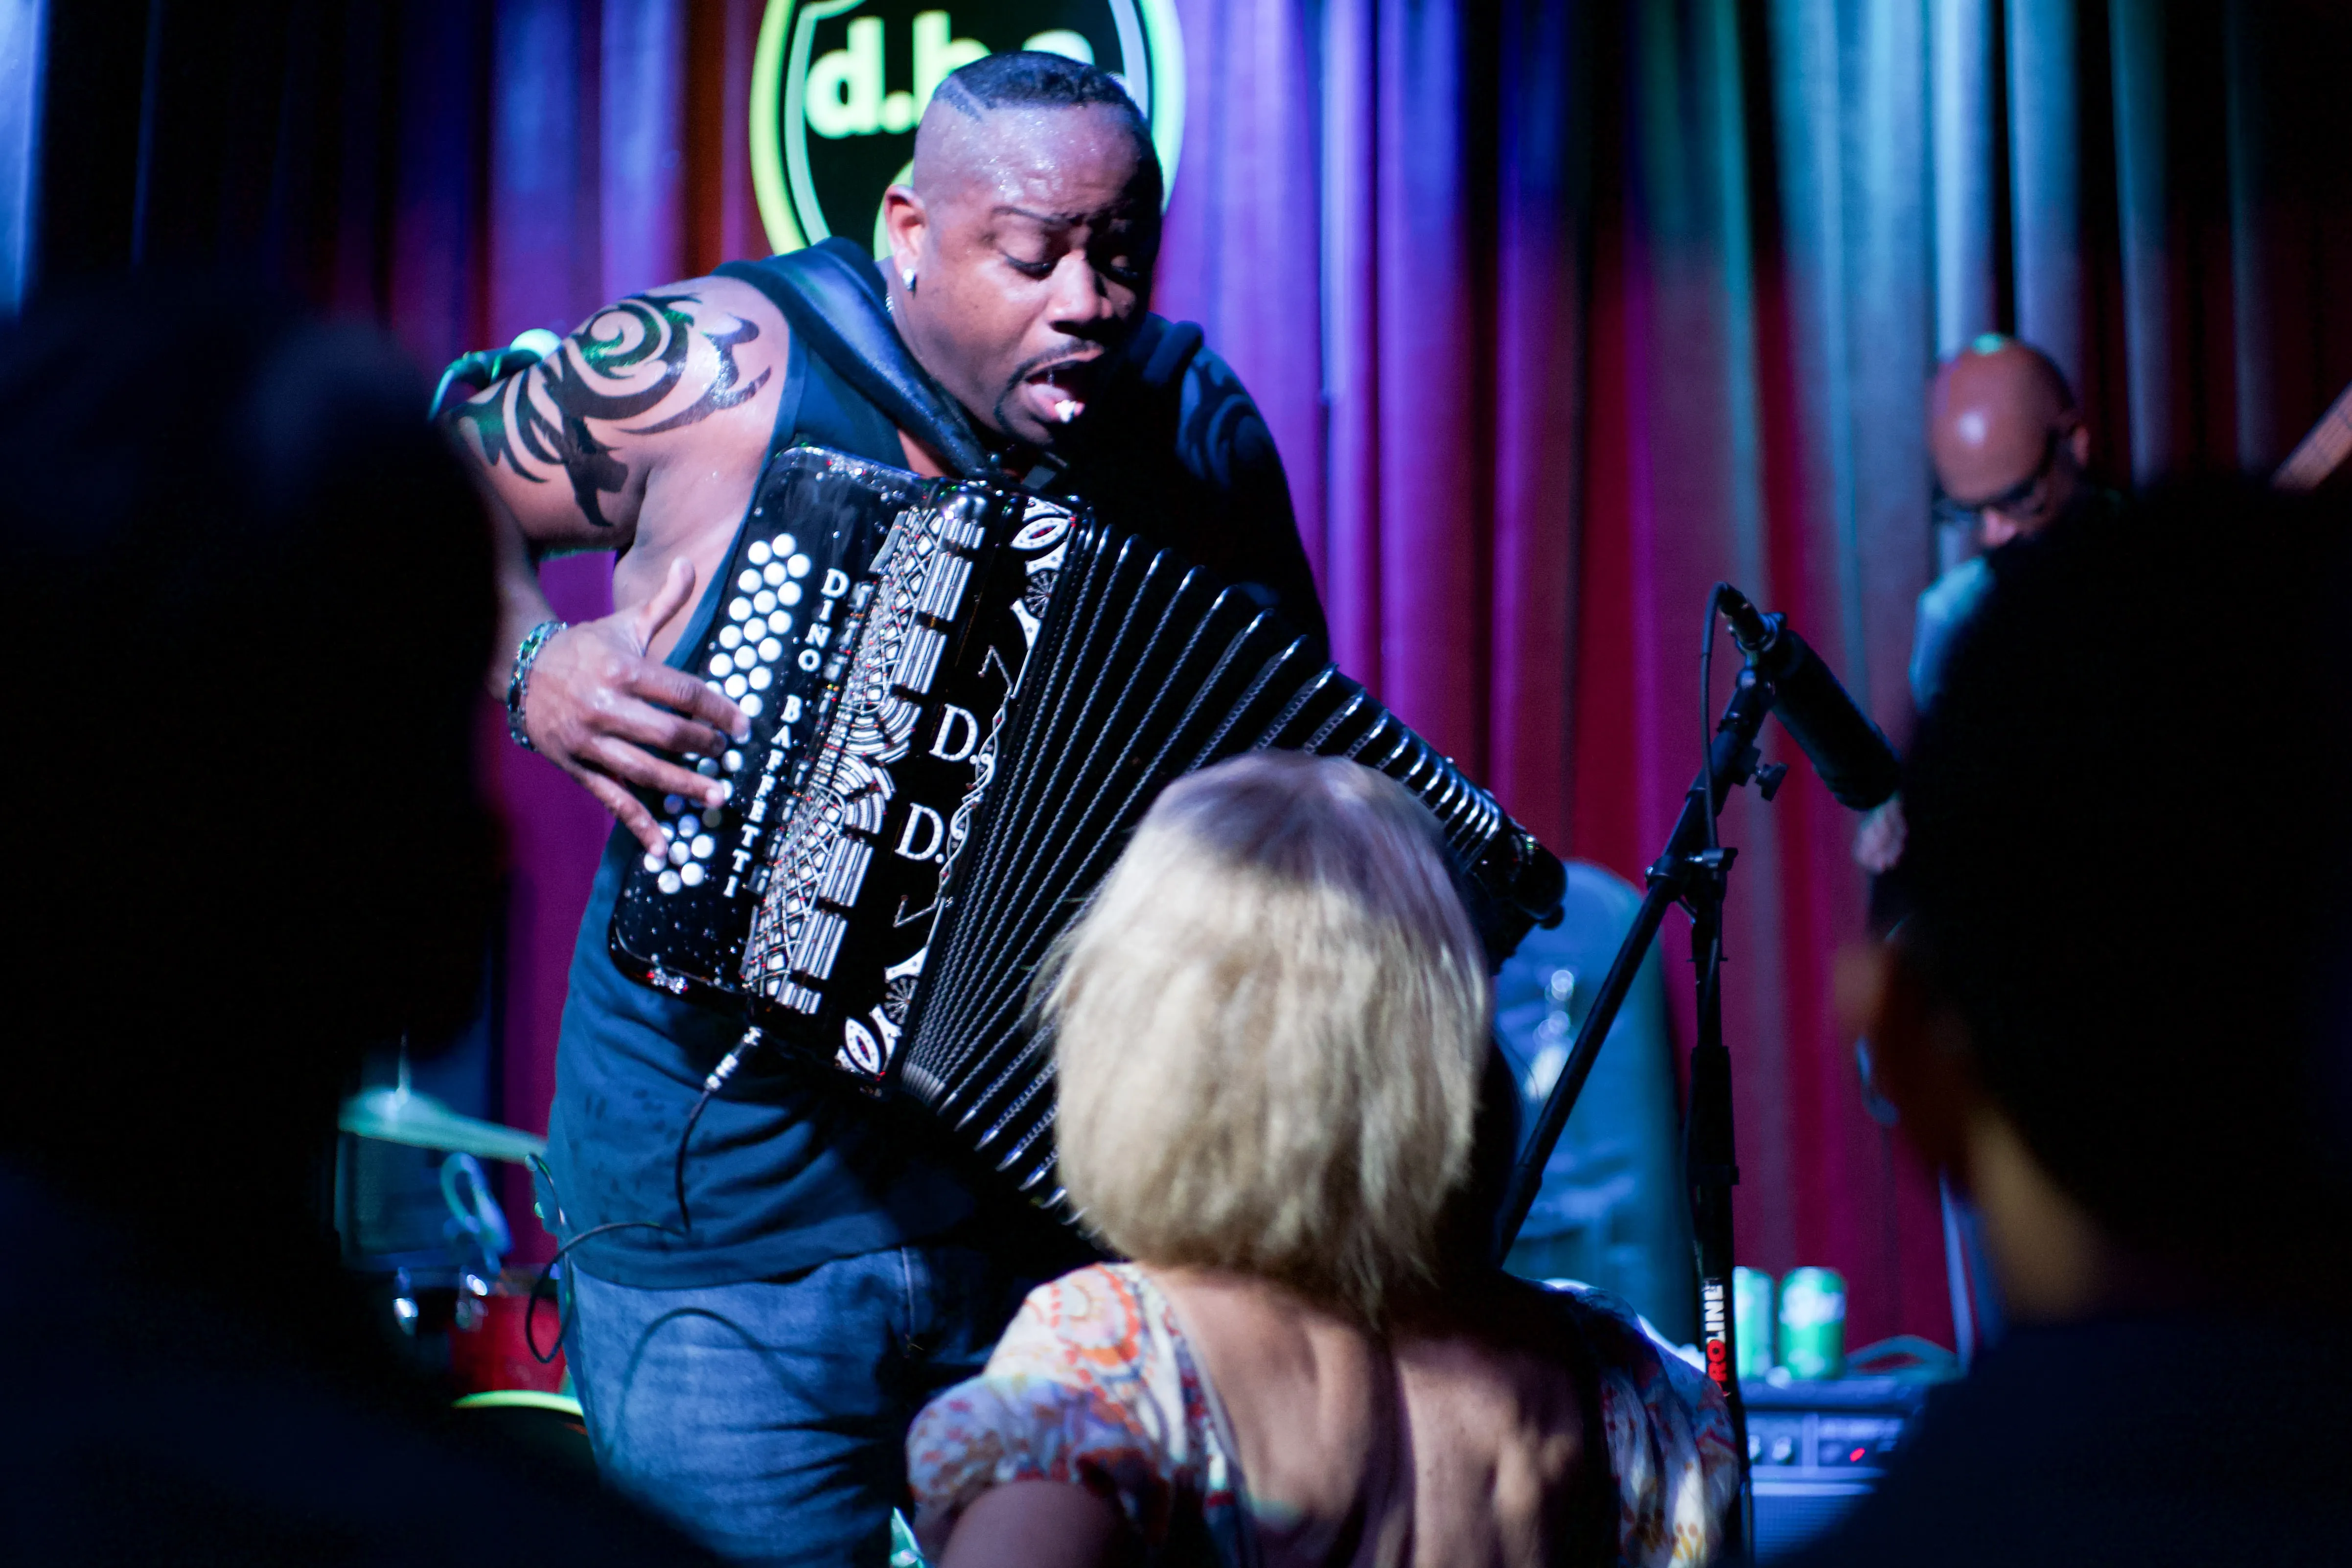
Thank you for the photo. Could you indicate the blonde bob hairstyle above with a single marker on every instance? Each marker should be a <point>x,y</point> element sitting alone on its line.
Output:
<point>1269,1027</point>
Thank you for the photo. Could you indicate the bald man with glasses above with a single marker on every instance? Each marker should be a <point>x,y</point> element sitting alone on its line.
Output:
<point>2012,456</point>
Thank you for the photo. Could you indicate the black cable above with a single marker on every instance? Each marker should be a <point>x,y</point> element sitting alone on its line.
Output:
<point>711,1085</point>
<point>1706,709</point>
<point>546,1271</point>
<point>1707,757</point>
<point>710,1088</point>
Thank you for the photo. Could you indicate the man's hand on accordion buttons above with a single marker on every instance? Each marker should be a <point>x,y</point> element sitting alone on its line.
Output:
<point>600,710</point>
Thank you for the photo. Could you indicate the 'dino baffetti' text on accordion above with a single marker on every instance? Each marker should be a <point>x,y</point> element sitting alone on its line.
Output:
<point>963,697</point>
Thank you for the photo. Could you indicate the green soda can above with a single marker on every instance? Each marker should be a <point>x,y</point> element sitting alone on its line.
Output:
<point>1813,1323</point>
<point>1751,1320</point>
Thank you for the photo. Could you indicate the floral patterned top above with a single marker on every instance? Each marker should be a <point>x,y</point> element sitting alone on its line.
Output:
<point>1094,1385</point>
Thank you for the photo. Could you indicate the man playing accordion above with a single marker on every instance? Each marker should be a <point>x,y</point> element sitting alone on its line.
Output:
<point>754,1376</point>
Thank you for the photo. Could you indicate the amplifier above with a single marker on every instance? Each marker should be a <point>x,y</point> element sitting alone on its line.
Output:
<point>1814,1447</point>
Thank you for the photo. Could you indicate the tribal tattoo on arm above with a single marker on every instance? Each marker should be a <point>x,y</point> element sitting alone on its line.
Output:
<point>623,364</point>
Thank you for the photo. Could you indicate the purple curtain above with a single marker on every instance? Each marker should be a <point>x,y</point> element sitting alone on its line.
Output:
<point>1558,312</point>
<point>1612,301</point>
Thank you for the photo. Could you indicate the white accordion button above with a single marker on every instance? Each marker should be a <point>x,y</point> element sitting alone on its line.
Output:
<point>771,650</point>
<point>758,553</point>
<point>729,636</point>
<point>691,874</point>
<point>751,705</point>
<point>785,544</point>
<point>707,767</point>
<point>798,565</point>
<point>759,678</point>
<point>731,761</point>
<point>713,817</point>
<point>703,845</point>
<point>721,664</point>
<point>780,624</point>
<point>773,571</point>
<point>656,862</point>
<point>736,686</point>
<point>679,854</point>
<point>764,601</point>
<point>669,882</point>
<point>749,581</point>
<point>739,609</point>
<point>672,805</point>
<point>789,593</point>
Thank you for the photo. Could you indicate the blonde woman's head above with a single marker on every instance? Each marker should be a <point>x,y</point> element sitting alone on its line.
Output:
<point>1270,1025</point>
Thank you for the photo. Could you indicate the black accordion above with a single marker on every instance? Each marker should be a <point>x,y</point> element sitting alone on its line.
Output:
<point>964,698</point>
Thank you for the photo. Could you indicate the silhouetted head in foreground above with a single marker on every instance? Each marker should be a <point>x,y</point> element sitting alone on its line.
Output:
<point>2116,1011</point>
<point>250,591</point>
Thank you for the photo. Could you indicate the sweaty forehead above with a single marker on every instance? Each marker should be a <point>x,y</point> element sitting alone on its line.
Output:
<point>1045,159</point>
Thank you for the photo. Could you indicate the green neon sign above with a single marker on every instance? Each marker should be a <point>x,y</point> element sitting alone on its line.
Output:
<point>837,87</point>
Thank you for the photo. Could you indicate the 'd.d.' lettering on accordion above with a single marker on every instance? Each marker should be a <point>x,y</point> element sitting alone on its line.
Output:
<point>963,697</point>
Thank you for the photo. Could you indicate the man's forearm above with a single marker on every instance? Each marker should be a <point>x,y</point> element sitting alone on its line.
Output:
<point>522,601</point>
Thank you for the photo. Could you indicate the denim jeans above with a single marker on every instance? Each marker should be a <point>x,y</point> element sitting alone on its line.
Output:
<point>769,1419</point>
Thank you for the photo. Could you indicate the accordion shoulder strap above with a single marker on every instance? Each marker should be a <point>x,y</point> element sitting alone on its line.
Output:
<point>832,299</point>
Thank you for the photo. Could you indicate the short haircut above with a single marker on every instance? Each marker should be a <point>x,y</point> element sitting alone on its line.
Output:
<point>2127,858</point>
<point>1270,1025</point>
<point>1032,79</point>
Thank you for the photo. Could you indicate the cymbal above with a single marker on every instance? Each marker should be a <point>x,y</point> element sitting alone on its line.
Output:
<point>401,1115</point>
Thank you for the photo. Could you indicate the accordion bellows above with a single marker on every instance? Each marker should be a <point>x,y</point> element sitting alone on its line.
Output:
<point>964,698</point>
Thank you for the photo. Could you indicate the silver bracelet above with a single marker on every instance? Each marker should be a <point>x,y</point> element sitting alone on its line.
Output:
<point>518,683</point>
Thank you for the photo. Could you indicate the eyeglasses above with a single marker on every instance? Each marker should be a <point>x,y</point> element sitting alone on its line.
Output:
<point>1951,509</point>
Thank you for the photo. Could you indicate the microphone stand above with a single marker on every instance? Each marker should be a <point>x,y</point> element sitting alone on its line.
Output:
<point>1691,874</point>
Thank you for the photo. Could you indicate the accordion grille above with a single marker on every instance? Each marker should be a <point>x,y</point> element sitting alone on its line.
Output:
<point>1144,671</point>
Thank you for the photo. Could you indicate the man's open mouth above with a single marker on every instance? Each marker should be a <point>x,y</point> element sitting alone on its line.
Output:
<point>1057,394</point>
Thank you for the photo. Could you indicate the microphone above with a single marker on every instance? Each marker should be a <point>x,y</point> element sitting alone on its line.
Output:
<point>1846,749</point>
